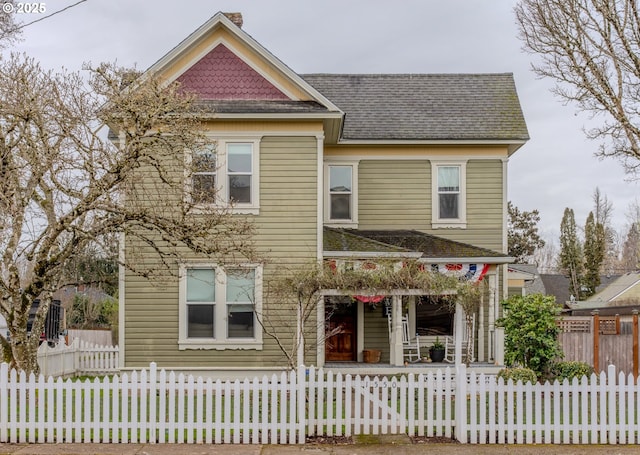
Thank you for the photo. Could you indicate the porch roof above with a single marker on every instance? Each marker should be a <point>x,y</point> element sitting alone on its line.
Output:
<point>431,247</point>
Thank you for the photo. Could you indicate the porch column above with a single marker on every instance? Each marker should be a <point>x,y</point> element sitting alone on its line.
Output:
<point>299,337</point>
<point>481,331</point>
<point>459,330</point>
<point>395,350</point>
<point>493,306</point>
<point>321,332</point>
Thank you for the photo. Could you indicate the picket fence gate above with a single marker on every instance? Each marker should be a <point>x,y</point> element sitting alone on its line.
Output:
<point>77,358</point>
<point>151,406</point>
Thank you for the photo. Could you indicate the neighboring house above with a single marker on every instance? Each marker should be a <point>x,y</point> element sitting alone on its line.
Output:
<point>557,285</point>
<point>337,167</point>
<point>621,296</point>
<point>524,280</point>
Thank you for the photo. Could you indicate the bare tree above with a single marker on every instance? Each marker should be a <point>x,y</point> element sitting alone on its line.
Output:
<point>10,30</point>
<point>590,48</point>
<point>603,213</point>
<point>65,186</point>
<point>630,257</point>
<point>546,258</point>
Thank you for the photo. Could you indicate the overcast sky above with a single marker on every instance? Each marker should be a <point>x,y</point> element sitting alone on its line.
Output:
<point>554,170</point>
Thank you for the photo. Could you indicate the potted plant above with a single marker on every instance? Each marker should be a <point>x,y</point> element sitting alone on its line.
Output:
<point>436,351</point>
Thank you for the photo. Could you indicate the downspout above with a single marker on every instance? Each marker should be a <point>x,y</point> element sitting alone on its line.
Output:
<point>121,285</point>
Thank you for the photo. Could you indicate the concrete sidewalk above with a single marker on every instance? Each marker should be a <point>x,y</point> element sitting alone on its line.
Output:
<point>311,449</point>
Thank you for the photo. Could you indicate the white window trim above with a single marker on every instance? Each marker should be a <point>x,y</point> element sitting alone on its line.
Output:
<point>222,181</point>
<point>221,342</point>
<point>448,223</point>
<point>353,223</point>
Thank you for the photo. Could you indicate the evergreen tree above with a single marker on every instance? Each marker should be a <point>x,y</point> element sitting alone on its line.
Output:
<point>522,233</point>
<point>571,253</point>
<point>594,249</point>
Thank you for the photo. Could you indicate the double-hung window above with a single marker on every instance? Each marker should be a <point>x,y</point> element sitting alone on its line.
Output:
<point>449,192</point>
<point>239,172</point>
<point>241,285</point>
<point>204,173</point>
<point>227,172</point>
<point>341,201</point>
<point>200,303</point>
<point>219,307</point>
<point>449,195</point>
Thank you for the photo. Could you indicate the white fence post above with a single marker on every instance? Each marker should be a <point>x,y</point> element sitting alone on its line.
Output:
<point>302,399</point>
<point>461,403</point>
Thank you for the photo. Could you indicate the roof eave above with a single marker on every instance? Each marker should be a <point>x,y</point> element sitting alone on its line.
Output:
<point>372,254</point>
<point>272,115</point>
<point>469,260</point>
<point>512,144</point>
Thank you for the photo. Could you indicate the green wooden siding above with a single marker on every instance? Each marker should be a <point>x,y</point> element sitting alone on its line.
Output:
<point>285,238</point>
<point>376,331</point>
<point>397,195</point>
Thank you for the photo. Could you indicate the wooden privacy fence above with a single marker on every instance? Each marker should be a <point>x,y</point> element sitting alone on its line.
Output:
<point>151,406</point>
<point>78,358</point>
<point>601,341</point>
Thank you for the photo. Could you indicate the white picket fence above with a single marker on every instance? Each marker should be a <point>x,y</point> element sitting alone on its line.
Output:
<point>78,358</point>
<point>151,406</point>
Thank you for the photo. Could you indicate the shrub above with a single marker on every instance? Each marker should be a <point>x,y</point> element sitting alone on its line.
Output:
<point>531,332</point>
<point>518,374</point>
<point>571,369</point>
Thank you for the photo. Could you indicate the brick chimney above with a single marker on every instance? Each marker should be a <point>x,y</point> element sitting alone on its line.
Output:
<point>236,18</point>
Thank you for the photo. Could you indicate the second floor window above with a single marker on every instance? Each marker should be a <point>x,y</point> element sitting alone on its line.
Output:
<point>204,175</point>
<point>239,171</point>
<point>449,194</point>
<point>449,191</point>
<point>340,193</point>
<point>227,172</point>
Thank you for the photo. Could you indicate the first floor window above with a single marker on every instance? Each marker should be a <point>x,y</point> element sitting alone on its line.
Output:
<point>240,298</point>
<point>201,302</point>
<point>219,306</point>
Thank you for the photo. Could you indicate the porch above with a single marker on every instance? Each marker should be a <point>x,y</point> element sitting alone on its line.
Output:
<point>400,329</point>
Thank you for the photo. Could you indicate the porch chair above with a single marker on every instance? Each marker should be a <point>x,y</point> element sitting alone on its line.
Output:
<point>450,343</point>
<point>410,346</point>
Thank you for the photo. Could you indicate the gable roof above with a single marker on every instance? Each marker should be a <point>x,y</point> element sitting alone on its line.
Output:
<point>419,107</point>
<point>436,249</point>
<point>618,288</point>
<point>558,285</point>
<point>358,108</point>
<point>200,42</point>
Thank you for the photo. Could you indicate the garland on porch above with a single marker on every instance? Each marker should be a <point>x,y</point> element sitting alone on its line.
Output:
<point>299,290</point>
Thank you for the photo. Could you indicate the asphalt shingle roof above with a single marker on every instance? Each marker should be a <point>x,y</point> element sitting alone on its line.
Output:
<point>382,241</point>
<point>425,106</point>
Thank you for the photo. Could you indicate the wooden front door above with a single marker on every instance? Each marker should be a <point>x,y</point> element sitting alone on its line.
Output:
<point>340,340</point>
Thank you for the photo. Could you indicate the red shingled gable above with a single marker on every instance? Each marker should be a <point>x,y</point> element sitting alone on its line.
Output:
<point>221,75</point>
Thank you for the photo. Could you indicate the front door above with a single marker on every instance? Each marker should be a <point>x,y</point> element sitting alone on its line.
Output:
<point>340,339</point>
